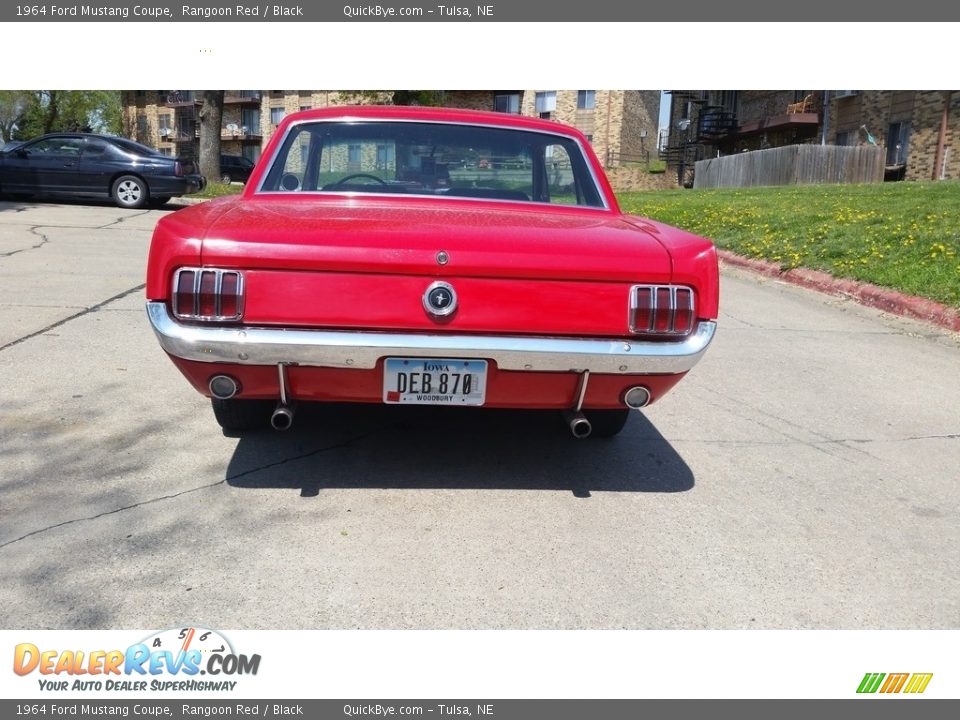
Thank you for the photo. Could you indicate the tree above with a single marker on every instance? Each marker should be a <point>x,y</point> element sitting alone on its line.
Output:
<point>418,97</point>
<point>211,115</point>
<point>47,111</point>
<point>13,106</point>
<point>394,97</point>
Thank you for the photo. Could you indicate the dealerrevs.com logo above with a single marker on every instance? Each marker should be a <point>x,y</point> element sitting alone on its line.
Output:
<point>168,660</point>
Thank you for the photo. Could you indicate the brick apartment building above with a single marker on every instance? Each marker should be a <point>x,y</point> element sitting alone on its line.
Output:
<point>620,124</point>
<point>919,130</point>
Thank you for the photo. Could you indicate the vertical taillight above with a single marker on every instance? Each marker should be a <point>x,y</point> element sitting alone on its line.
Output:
<point>683,310</point>
<point>230,295</point>
<point>184,294</point>
<point>207,294</point>
<point>662,315</point>
<point>177,169</point>
<point>642,320</point>
<point>661,310</point>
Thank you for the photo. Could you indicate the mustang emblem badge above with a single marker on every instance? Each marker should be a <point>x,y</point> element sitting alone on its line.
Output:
<point>440,299</point>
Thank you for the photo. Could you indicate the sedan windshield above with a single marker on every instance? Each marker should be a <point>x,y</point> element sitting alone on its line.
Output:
<point>433,159</point>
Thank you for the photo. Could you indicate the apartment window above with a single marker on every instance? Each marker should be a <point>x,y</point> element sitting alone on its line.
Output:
<point>251,152</point>
<point>164,125</point>
<point>187,127</point>
<point>306,107</point>
<point>276,115</point>
<point>507,103</point>
<point>250,120</point>
<point>353,157</point>
<point>586,99</point>
<point>729,99</point>
<point>386,157</point>
<point>846,138</point>
<point>898,143</point>
<point>546,103</point>
<point>141,125</point>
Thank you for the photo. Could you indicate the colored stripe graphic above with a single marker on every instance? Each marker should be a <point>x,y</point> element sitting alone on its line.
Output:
<point>894,683</point>
<point>870,682</point>
<point>918,683</point>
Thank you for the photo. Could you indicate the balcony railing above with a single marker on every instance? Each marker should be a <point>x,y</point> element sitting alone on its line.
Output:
<point>244,97</point>
<point>181,98</point>
<point>241,132</point>
<point>184,134</point>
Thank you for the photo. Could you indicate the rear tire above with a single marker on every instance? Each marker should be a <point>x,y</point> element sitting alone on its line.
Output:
<point>130,192</point>
<point>607,423</point>
<point>239,415</point>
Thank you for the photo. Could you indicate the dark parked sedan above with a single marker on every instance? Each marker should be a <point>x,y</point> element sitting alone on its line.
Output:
<point>127,172</point>
<point>235,168</point>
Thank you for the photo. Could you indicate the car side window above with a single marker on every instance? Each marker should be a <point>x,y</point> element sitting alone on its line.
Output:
<point>293,172</point>
<point>56,147</point>
<point>96,150</point>
<point>561,183</point>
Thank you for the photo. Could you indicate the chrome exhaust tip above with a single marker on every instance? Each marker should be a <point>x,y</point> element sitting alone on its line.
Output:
<point>636,397</point>
<point>223,387</point>
<point>282,418</point>
<point>579,426</point>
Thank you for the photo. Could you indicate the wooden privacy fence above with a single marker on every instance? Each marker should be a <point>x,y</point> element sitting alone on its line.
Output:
<point>792,165</point>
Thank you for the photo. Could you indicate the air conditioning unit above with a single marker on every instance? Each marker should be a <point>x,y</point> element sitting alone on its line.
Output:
<point>164,131</point>
<point>845,93</point>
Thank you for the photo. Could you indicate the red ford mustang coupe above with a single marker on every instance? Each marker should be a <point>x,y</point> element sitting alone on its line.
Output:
<point>428,256</point>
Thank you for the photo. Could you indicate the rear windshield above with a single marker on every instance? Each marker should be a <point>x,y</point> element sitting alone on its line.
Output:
<point>433,159</point>
<point>135,147</point>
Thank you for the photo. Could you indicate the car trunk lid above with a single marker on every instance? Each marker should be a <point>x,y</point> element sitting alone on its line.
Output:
<point>367,264</point>
<point>480,239</point>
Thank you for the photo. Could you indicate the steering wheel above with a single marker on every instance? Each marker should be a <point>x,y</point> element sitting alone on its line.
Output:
<point>355,176</point>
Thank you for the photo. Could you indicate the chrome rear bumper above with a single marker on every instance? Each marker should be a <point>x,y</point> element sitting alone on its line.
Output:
<point>362,350</point>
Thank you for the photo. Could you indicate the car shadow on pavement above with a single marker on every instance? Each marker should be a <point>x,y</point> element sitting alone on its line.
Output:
<point>364,446</point>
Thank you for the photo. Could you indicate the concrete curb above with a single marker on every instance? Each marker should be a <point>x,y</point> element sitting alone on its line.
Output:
<point>874,296</point>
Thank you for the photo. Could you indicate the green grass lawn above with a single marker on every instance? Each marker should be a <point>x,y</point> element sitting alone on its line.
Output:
<point>902,235</point>
<point>215,190</point>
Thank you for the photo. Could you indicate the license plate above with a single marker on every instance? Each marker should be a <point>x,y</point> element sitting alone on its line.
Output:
<point>434,381</point>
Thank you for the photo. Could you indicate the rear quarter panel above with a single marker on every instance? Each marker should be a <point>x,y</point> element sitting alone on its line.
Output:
<point>694,261</point>
<point>178,241</point>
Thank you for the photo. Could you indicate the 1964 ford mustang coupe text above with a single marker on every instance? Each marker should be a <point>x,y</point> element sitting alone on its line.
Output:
<point>428,256</point>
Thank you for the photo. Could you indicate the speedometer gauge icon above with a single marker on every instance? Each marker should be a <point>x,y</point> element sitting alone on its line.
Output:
<point>183,639</point>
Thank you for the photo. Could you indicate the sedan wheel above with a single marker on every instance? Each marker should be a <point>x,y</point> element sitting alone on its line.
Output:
<point>130,192</point>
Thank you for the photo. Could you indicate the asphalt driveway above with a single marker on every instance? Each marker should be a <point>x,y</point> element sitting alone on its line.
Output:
<point>803,476</point>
